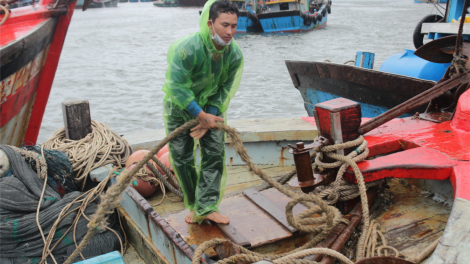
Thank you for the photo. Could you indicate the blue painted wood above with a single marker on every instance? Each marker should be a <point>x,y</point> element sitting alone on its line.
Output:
<point>455,10</point>
<point>161,241</point>
<point>313,97</point>
<point>130,203</point>
<point>109,258</point>
<point>289,24</point>
<point>365,59</point>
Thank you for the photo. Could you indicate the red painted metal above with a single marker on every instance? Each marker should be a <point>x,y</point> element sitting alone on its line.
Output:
<point>427,150</point>
<point>421,149</point>
<point>24,21</point>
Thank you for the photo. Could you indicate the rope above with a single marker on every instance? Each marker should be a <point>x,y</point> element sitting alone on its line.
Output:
<point>428,250</point>
<point>320,226</point>
<point>6,10</point>
<point>112,197</point>
<point>100,147</point>
<point>84,199</point>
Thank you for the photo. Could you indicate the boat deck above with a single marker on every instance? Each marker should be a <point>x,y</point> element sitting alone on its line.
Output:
<point>411,222</point>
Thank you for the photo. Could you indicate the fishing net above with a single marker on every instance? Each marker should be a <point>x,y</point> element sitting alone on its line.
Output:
<point>59,169</point>
<point>20,239</point>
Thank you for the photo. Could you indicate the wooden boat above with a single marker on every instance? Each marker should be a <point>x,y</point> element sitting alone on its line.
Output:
<point>31,42</point>
<point>293,16</point>
<point>376,91</point>
<point>248,21</point>
<point>427,165</point>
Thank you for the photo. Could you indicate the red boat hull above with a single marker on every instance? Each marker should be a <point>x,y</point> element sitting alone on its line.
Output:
<point>31,44</point>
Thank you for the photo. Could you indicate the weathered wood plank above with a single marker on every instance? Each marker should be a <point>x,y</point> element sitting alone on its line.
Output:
<point>77,118</point>
<point>232,233</point>
<point>270,208</point>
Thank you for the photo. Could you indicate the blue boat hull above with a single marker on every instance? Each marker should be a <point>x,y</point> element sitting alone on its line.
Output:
<point>288,21</point>
<point>248,23</point>
<point>376,91</point>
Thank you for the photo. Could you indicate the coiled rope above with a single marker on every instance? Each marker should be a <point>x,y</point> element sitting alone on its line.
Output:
<point>100,147</point>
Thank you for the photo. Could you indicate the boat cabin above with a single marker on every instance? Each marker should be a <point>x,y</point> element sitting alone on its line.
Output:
<point>283,5</point>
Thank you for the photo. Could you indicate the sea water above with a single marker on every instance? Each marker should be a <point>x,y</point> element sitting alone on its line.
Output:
<point>116,59</point>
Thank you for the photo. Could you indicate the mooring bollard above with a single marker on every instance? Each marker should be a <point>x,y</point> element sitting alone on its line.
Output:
<point>77,118</point>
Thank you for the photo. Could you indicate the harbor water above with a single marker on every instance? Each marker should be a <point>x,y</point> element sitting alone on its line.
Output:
<point>116,59</point>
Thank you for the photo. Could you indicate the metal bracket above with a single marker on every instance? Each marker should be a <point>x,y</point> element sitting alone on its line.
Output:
<point>336,134</point>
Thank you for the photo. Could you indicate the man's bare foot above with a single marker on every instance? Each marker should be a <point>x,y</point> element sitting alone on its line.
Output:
<point>189,218</point>
<point>218,218</point>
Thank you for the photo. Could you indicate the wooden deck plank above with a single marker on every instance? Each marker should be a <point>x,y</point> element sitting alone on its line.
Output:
<point>238,179</point>
<point>234,235</point>
<point>270,208</point>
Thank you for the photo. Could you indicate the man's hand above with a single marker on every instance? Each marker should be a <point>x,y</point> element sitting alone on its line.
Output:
<point>207,121</point>
<point>198,132</point>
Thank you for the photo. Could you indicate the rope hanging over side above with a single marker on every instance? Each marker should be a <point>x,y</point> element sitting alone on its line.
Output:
<point>4,7</point>
<point>100,147</point>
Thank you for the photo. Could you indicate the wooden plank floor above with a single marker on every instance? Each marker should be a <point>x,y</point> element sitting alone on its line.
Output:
<point>238,179</point>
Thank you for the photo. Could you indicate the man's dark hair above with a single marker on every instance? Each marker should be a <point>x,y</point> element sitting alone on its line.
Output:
<point>222,6</point>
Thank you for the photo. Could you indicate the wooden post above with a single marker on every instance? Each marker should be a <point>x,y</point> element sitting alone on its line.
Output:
<point>77,119</point>
<point>338,121</point>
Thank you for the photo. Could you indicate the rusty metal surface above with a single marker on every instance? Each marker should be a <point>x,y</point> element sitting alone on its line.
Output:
<point>383,260</point>
<point>193,233</point>
<point>414,102</point>
<point>329,240</point>
<point>437,117</point>
<point>270,208</point>
<point>303,165</point>
<point>432,51</point>
<point>356,216</point>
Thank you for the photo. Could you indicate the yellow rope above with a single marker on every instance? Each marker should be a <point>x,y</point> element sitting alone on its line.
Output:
<point>100,147</point>
<point>7,13</point>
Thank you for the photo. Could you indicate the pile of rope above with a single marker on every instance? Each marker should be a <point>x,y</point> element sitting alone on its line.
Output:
<point>304,222</point>
<point>100,147</point>
<point>38,224</point>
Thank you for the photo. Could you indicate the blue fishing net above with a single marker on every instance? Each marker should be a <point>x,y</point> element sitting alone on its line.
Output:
<point>59,169</point>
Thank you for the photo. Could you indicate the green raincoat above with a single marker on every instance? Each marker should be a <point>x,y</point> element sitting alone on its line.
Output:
<point>198,71</point>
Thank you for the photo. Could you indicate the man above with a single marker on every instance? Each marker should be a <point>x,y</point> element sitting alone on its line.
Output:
<point>204,72</point>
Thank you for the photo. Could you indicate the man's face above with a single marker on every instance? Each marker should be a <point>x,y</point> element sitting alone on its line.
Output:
<point>225,26</point>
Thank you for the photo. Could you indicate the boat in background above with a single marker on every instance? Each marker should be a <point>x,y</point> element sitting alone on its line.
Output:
<point>98,3</point>
<point>431,1</point>
<point>166,3</point>
<point>293,16</point>
<point>31,42</point>
<point>376,91</point>
<point>200,3</point>
<point>247,19</point>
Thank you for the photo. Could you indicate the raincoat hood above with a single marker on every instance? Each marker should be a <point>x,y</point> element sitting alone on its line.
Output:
<point>205,31</point>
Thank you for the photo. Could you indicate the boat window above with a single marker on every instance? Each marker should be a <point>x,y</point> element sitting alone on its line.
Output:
<point>284,6</point>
